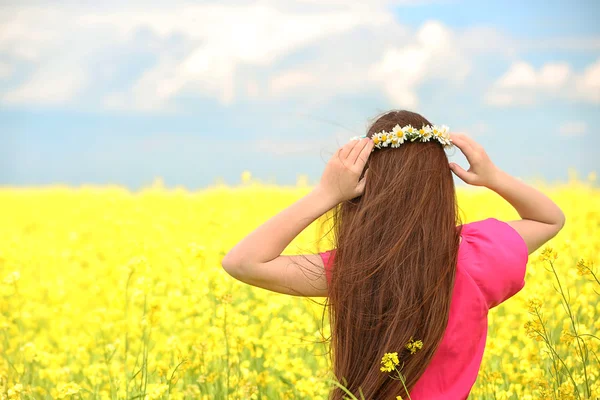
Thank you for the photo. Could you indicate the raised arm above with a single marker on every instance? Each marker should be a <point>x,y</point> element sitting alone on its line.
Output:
<point>257,259</point>
<point>541,219</point>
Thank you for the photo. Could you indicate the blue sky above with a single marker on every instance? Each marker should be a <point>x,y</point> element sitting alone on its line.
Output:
<point>195,91</point>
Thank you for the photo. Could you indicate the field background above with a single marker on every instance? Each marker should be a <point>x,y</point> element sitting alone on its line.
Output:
<point>111,294</point>
<point>111,285</point>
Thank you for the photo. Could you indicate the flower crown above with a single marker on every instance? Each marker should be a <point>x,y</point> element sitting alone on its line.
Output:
<point>399,135</point>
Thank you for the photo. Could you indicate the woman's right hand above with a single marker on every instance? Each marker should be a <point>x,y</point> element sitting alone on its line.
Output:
<point>481,172</point>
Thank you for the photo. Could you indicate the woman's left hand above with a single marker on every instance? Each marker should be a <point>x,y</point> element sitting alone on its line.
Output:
<point>340,181</point>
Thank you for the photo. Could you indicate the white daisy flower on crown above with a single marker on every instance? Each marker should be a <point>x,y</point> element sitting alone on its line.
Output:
<point>386,138</point>
<point>377,139</point>
<point>425,133</point>
<point>438,132</point>
<point>399,135</point>
<point>390,136</point>
<point>445,137</point>
<point>411,133</point>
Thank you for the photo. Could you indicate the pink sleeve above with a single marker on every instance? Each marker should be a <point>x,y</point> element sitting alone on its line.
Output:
<point>497,261</point>
<point>328,257</point>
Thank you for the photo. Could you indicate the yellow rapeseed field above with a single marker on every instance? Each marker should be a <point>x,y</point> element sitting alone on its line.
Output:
<point>112,294</point>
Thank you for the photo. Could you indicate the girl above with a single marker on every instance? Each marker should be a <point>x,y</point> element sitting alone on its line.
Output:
<point>405,275</point>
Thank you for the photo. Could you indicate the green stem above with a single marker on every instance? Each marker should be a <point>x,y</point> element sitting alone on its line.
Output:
<point>589,334</point>
<point>568,307</point>
<point>226,344</point>
<point>146,339</point>
<point>594,275</point>
<point>549,345</point>
<point>343,388</point>
<point>403,382</point>
<point>126,333</point>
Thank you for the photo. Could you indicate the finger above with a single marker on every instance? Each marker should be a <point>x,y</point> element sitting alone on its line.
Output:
<point>464,146</point>
<point>360,188</point>
<point>460,137</point>
<point>469,140</point>
<point>474,145</point>
<point>345,149</point>
<point>466,176</point>
<point>357,150</point>
<point>365,153</point>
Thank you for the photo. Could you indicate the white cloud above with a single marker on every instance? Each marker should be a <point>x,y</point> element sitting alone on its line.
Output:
<point>371,2</point>
<point>566,43</point>
<point>506,99</point>
<point>588,84</point>
<point>229,50</point>
<point>554,76</point>
<point>520,74</point>
<point>573,128</point>
<point>433,54</point>
<point>226,51</point>
<point>257,36</point>
<point>29,32</point>
<point>523,75</point>
<point>522,84</point>
<point>6,70</point>
<point>290,80</point>
<point>50,85</point>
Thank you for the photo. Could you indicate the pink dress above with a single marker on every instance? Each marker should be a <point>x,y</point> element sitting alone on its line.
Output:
<point>491,268</point>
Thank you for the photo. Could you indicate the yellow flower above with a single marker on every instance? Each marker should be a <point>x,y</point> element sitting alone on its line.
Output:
<point>15,391</point>
<point>583,268</point>
<point>11,278</point>
<point>389,361</point>
<point>67,389</point>
<point>548,254</point>
<point>87,309</point>
<point>566,336</point>
<point>414,345</point>
<point>534,304</point>
<point>398,397</point>
<point>533,330</point>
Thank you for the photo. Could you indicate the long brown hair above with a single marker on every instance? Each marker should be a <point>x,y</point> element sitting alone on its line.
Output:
<point>394,266</point>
